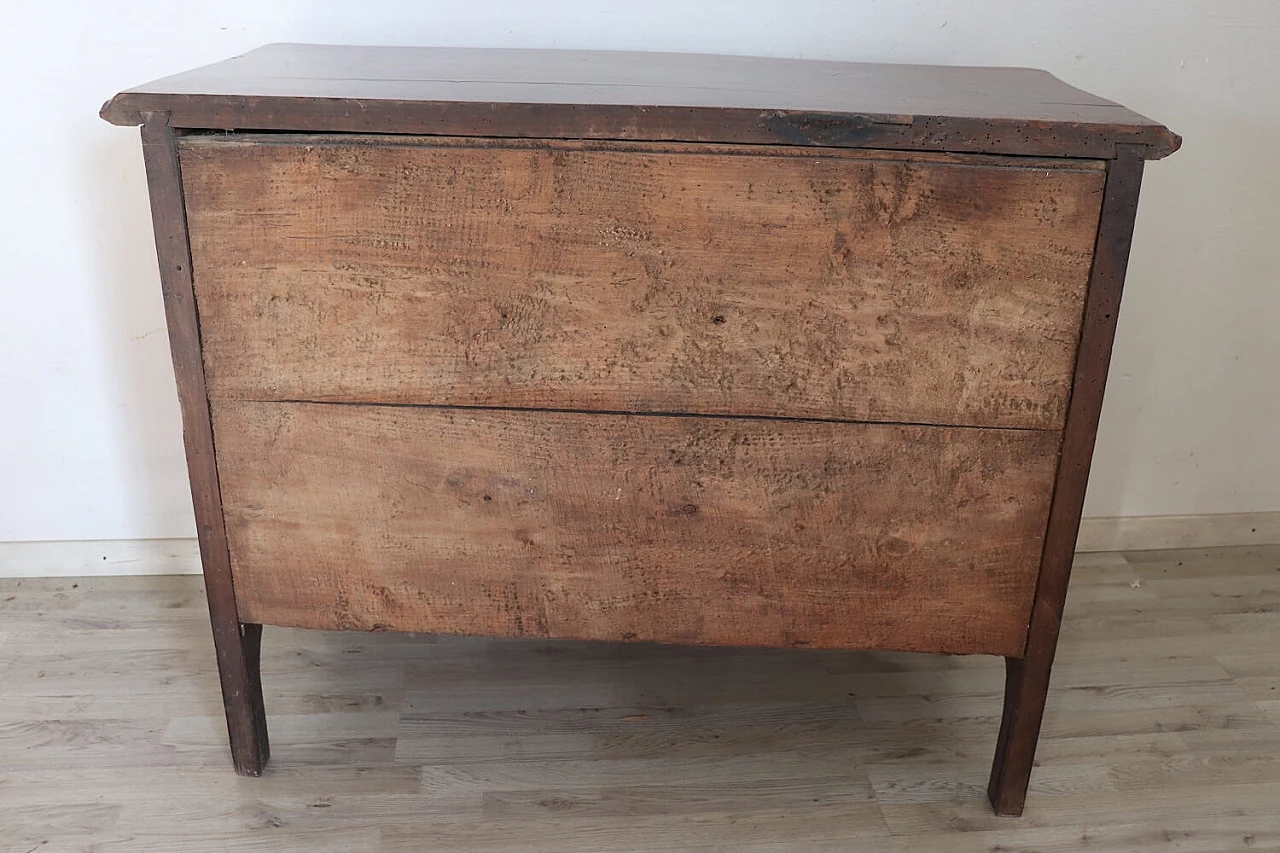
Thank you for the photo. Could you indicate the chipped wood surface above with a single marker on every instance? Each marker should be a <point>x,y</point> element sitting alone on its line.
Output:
<point>775,282</point>
<point>670,529</point>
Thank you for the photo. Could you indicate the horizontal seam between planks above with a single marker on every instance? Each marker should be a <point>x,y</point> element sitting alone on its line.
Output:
<point>404,139</point>
<point>625,412</point>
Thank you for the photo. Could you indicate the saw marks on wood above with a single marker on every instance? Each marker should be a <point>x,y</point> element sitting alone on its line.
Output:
<point>725,531</point>
<point>112,737</point>
<point>626,277</point>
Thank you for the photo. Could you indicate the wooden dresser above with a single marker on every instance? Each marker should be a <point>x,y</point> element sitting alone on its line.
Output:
<point>639,347</point>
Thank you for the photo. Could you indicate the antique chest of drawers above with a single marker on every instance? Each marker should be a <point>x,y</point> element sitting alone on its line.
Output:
<point>668,348</point>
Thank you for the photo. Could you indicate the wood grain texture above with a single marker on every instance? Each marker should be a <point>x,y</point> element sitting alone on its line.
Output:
<point>645,96</point>
<point>670,529</point>
<point>237,655</point>
<point>640,278</point>
<point>1027,679</point>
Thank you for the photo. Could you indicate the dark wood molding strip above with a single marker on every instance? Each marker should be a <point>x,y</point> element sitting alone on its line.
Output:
<point>237,646</point>
<point>655,123</point>
<point>620,95</point>
<point>1027,678</point>
<point>196,137</point>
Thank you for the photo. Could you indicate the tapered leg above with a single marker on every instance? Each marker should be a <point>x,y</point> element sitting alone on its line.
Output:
<point>250,754</point>
<point>1025,690</point>
<point>239,653</point>
<point>238,645</point>
<point>1027,678</point>
<point>239,649</point>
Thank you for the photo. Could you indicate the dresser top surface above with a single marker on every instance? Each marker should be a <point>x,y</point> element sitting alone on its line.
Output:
<point>654,96</point>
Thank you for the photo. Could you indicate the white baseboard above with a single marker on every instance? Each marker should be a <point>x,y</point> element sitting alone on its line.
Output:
<point>74,558</point>
<point>182,556</point>
<point>1159,532</point>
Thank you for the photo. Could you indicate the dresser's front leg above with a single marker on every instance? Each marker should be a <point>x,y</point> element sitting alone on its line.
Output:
<point>238,644</point>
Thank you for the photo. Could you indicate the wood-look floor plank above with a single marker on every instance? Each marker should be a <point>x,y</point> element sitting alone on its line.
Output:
<point>1162,733</point>
<point>174,837</point>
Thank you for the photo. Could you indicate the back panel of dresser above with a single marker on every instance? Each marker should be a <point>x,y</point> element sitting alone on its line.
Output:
<point>596,276</point>
<point>731,395</point>
<point>713,530</point>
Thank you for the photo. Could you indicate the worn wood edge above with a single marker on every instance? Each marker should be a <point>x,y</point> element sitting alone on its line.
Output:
<point>1027,678</point>
<point>648,123</point>
<point>173,250</point>
<point>1102,307</point>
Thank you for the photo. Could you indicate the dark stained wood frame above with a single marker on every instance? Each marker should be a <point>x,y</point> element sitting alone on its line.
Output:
<point>1027,678</point>
<point>237,645</point>
<point>556,94</point>
<point>684,124</point>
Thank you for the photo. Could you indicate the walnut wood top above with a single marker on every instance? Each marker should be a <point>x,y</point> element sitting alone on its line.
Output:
<point>644,96</point>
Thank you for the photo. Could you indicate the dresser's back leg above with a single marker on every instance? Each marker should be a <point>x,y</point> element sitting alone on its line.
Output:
<point>239,648</point>
<point>247,717</point>
<point>1027,678</point>
<point>1025,690</point>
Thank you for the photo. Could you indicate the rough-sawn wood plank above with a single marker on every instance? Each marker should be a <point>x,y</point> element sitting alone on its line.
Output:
<point>640,278</point>
<point>670,529</point>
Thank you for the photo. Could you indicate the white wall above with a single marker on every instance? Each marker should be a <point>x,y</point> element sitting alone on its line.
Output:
<point>89,431</point>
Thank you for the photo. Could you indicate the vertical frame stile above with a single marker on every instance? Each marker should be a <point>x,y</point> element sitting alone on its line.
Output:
<point>237,645</point>
<point>1027,677</point>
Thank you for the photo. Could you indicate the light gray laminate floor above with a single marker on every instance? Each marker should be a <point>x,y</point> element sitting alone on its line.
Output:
<point>1163,732</point>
